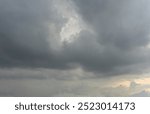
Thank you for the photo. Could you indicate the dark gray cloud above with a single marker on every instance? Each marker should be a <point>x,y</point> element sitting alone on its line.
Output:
<point>24,32</point>
<point>30,33</point>
<point>122,29</point>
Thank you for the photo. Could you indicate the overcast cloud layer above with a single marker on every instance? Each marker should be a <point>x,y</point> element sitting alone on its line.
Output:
<point>73,39</point>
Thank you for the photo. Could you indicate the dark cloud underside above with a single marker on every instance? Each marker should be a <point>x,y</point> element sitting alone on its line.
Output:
<point>29,29</point>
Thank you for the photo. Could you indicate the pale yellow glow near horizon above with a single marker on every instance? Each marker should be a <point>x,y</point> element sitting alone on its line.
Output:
<point>126,83</point>
<point>148,90</point>
<point>145,81</point>
<point>122,83</point>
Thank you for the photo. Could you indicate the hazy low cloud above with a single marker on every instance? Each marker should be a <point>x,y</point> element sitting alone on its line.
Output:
<point>52,84</point>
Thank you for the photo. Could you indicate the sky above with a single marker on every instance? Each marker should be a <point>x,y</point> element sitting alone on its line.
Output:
<point>74,48</point>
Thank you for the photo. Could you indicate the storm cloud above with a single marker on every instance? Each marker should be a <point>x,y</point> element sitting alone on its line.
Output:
<point>114,39</point>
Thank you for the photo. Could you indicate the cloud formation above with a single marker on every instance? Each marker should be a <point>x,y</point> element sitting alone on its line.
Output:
<point>41,82</point>
<point>107,36</point>
<point>75,46</point>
